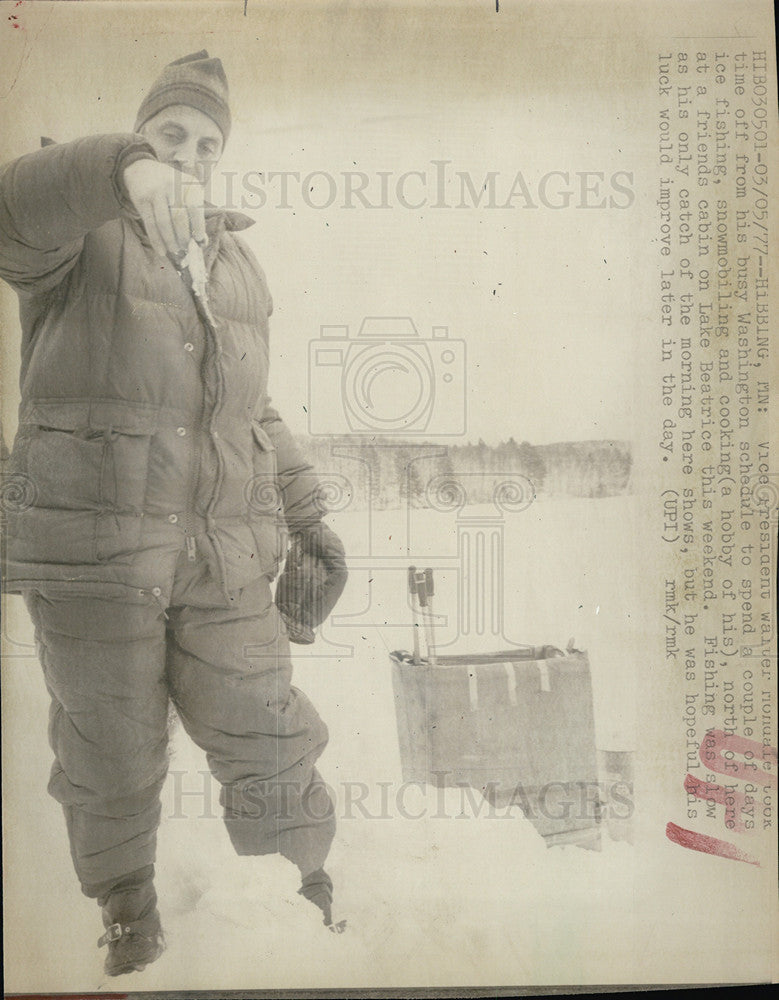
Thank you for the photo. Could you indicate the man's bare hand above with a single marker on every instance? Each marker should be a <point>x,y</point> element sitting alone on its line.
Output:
<point>170,204</point>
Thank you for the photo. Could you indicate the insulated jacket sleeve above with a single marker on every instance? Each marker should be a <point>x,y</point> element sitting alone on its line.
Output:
<point>50,200</point>
<point>299,484</point>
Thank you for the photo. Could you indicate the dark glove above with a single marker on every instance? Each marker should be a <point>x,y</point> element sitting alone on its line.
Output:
<point>313,579</point>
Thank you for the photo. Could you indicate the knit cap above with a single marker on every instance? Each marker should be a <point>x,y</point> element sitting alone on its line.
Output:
<point>194,80</point>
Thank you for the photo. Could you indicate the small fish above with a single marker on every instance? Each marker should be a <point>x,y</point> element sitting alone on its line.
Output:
<point>195,263</point>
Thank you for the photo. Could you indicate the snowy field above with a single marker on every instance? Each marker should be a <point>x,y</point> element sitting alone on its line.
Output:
<point>434,893</point>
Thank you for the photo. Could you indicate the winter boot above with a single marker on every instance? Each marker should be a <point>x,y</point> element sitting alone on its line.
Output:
<point>317,888</point>
<point>133,946</point>
<point>133,931</point>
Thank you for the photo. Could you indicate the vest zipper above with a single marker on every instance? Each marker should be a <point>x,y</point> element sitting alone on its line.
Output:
<point>209,414</point>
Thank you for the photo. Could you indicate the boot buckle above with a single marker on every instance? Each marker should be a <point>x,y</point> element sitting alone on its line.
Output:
<point>113,933</point>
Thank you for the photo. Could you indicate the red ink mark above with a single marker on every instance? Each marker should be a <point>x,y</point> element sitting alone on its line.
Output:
<point>59,996</point>
<point>718,752</point>
<point>13,18</point>
<point>707,845</point>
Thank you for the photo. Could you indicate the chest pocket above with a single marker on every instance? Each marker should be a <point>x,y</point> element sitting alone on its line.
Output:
<point>87,457</point>
<point>87,463</point>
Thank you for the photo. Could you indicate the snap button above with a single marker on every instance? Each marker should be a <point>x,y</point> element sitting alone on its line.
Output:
<point>156,591</point>
<point>173,518</point>
<point>189,347</point>
<point>181,431</point>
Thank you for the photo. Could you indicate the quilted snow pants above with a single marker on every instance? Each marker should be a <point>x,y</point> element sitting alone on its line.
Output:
<point>111,667</point>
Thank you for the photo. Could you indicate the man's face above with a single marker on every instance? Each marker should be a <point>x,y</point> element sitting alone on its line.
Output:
<point>185,138</point>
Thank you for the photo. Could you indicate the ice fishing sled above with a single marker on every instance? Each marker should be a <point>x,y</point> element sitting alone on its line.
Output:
<point>516,725</point>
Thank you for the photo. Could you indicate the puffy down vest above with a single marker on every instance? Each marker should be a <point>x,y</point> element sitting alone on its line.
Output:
<point>136,414</point>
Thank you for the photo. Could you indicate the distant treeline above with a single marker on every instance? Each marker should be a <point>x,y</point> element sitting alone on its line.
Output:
<point>392,471</point>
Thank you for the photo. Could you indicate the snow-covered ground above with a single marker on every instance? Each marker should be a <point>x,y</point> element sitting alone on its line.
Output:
<point>434,893</point>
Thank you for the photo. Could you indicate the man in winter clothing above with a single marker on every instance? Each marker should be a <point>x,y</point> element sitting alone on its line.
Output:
<point>162,488</point>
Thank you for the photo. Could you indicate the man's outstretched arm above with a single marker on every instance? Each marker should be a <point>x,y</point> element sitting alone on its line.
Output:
<point>50,199</point>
